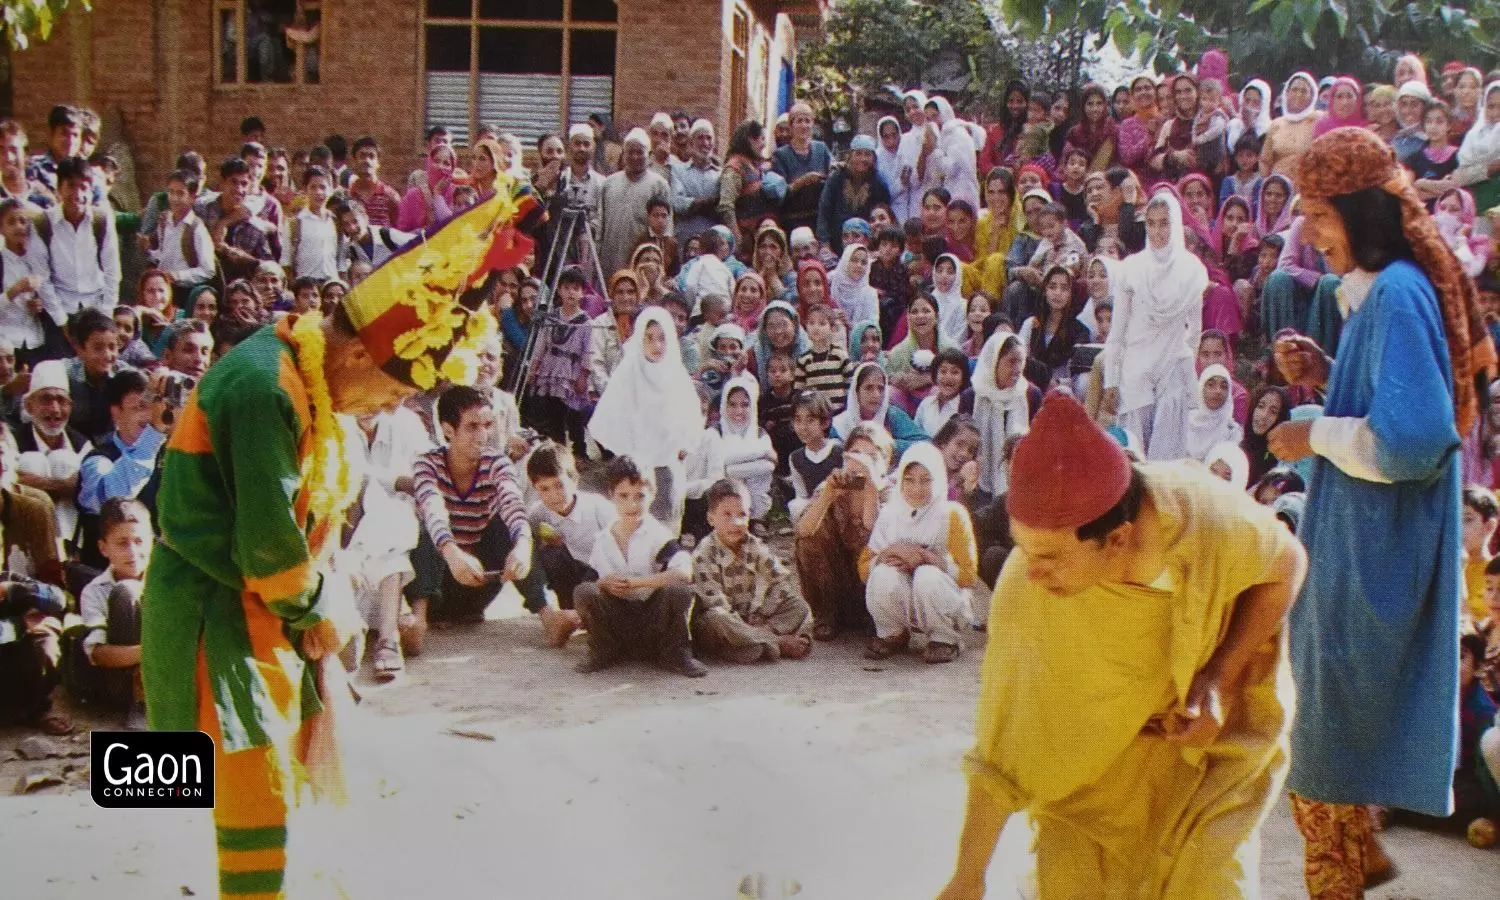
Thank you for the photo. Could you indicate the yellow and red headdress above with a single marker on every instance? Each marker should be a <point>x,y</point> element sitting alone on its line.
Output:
<point>407,312</point>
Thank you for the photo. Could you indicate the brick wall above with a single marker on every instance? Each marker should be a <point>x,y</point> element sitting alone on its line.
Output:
<point>673,54</point>
<point>151,62</point>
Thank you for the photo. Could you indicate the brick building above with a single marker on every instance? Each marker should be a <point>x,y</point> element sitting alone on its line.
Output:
<point>181,74</point>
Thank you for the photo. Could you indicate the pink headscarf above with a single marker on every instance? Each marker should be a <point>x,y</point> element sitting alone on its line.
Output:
<point>1246,243</point>
<point>1284,219</point>
<point>1201,227</point>
<point>1332,120</point>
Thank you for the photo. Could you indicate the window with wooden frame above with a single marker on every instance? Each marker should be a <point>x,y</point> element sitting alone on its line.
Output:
<point>739,64</point>
<point>267,41</point>
<point>527,67</point>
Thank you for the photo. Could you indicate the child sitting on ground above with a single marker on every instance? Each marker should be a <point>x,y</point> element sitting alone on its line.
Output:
<point>825,367</point>
<point>818,457</point>
<point>714,309</point>
<point>111,608</point>
<point>834,529</point>
<point>920,563</point>
<point>744,451</point>
<point>1481,514</point>
<point>640,605</point>
<point>748,604</point>
<point>566,523</point>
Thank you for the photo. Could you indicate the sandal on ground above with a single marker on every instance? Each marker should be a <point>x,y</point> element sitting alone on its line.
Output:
<point>940,653</point>
<point>823,631</point>
<point>881,648</point>
<point>388,662</point>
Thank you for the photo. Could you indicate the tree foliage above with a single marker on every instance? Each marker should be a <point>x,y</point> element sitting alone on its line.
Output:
<point>27,19</point>
<point>869,46</point>
<point>1277,37</point>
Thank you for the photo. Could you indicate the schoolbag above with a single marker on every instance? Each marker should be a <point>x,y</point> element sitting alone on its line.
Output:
<point>43,226</point>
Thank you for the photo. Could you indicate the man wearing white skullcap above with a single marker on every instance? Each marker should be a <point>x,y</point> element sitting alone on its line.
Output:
<point>695,185</point>
<point>659,160</point>
<point>1412,100</point>
<point>623,202</point>
<point>52,450</point>
<point>579,185</point>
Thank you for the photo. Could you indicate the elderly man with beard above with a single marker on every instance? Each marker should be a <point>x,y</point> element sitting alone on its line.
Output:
<point>623,199</point>
<point>51,451</point>
<point>695,185</point>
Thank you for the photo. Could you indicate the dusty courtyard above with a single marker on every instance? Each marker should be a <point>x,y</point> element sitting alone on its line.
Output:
<point>494,771</point>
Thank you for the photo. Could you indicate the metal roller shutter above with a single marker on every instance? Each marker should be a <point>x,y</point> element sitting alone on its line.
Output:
<point>590,94</point>
<point>524,105</point>
<point>448,103</point>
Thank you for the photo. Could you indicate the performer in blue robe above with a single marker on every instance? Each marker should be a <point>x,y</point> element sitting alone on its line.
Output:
<point>1374,634</point>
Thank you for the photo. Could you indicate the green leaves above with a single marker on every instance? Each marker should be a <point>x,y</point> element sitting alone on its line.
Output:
<point>25,19</point>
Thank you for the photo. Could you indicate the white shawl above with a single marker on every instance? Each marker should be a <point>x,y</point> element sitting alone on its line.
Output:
<point>649,410</point>
<point>926,525</point>
<point>1167,283</point>
<point>1206,427</point>
<point>855,297</point>
<point>999,413</point>
<point>1481,144</point>
<point>850,419</point>
<point>953,309</point>
<point>1312,104</point>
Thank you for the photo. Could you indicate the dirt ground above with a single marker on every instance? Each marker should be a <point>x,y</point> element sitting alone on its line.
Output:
<point>493,770</point>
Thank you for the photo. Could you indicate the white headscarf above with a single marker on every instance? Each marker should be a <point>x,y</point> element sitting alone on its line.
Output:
<point>849,419</point>
<point>926,525</point>
<point>1111,272</point>
<point>855,297</point>
<point>957,142</point>
<point>888,162</point>
<point>1481,145</point>
<point>1262,121</point>
<point>1312,105</point>
<point>752,428</point>
<point>953,309</point>
<point>1207,427</point>
<point>1231,455</point>
<point>999,413</point>
<point>1167,284</point>
<point>649,410</point>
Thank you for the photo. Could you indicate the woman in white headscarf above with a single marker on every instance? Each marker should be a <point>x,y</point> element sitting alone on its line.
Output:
<point>1211,420</point>
<point>649,410</point>
<point>849,286</point>
<point>920,563</point>
<point>888,160</point>
<point>1291,133</point>
<point>1479,155</point>
<point>744,450</point>
<point>1255,113</point>
<point>1149,376</point>
<point>954,155</point>
<point>1004,402</point>
<point>909,186</point>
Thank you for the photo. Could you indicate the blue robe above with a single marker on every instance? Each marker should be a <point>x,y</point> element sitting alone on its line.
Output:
<point>1374,635</point>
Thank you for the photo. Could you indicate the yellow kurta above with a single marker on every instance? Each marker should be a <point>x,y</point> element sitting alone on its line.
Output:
<point>1474,588</point>
<point>1070,682</point>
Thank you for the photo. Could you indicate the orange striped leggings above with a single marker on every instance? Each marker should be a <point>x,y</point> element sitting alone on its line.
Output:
<point>249,811</point>
<point>1336,837</point>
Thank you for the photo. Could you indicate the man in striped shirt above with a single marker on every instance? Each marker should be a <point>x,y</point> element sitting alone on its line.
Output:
<point>475,533</point>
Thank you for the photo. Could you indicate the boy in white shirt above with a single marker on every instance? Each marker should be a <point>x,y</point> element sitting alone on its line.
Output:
<point>640,605</point>
<point>181,245</point>
<point>567,523</point>
<point>313,248</point>
<point>26,282</point>
<point>111,608</point>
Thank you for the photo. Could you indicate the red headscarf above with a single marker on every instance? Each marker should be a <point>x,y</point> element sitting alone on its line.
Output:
<point>810,265</point>
<point>1332,120</point>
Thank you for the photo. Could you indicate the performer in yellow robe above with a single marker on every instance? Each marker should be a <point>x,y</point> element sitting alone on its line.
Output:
<point>1134,703</point>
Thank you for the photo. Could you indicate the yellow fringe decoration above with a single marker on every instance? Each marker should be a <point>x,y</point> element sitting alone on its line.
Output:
<point>325,472</point>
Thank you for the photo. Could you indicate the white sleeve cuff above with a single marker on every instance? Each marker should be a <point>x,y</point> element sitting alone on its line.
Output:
<point>1348,443</point>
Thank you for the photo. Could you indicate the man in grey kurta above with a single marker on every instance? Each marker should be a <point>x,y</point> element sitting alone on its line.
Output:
<point>622,203</point>
<point>695,186</point>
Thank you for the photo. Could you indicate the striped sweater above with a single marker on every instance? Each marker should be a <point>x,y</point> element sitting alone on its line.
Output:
<point>451,515</point>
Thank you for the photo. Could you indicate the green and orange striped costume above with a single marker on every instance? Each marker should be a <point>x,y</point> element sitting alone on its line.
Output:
<point>232,584</point>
